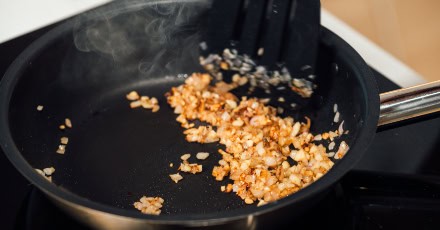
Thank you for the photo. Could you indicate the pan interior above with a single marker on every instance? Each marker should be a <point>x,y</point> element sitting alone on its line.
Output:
<point>116,154</point>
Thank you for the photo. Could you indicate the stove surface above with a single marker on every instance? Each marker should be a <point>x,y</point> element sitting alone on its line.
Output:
<point>395,186</point>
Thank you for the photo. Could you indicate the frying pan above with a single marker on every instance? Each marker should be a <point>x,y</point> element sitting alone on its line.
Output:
<point>116,155</point>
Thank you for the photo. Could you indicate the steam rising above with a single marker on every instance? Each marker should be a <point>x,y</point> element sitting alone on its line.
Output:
<point>160,37</point>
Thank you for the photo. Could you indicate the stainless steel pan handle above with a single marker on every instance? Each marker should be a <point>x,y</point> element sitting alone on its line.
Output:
<point>403,104</point>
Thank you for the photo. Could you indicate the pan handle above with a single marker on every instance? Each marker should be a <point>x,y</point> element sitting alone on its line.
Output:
<point>408,103</point>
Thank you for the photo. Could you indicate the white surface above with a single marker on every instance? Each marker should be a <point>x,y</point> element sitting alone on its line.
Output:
<point>375,56</point>
<point>18,17</point>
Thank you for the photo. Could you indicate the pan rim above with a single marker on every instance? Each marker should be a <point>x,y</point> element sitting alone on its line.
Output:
<point>363,139</point>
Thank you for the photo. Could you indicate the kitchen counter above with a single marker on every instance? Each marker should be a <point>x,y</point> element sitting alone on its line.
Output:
<point>29,15</point>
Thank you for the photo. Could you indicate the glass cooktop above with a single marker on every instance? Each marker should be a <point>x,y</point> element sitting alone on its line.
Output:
<point>395,186</point>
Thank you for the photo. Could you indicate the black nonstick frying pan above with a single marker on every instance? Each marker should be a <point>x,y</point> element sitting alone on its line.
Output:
<point>82,70</point>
